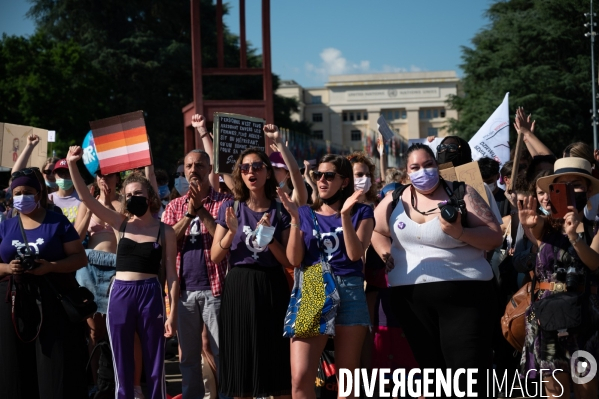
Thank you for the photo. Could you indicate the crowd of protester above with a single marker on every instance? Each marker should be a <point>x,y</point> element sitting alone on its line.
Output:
<point>212,260</point>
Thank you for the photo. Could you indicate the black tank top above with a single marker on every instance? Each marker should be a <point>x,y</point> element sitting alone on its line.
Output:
<point>138,257</point>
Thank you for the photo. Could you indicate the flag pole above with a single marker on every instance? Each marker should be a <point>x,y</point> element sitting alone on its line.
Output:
<point>592,34</point>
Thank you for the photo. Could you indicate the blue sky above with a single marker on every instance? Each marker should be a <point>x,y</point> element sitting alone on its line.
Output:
<point>312,39</point>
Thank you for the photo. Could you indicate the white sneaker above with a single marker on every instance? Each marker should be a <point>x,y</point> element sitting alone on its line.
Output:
<point>137,393</point>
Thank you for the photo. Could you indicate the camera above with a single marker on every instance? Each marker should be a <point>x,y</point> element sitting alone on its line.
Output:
<point>566,272</point>
<point>28,261</point>
<point>449,210</point>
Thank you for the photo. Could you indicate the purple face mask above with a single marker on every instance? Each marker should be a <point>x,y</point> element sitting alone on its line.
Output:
<point>425,179</point>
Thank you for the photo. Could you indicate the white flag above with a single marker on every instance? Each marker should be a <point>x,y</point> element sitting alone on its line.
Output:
<point>493,139</point>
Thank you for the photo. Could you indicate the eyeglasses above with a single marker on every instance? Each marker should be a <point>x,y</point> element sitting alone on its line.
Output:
<point>48,171</point>
<point>448,148</point>
<point>361,174</point>
<point>25,172</point>
<point>178,174</point>
<point>329,176</point>
<point>256,167</point>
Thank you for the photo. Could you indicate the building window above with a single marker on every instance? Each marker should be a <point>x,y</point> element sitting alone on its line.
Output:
<point>316,99</point>
<point>317,134</point>
<point>345,117</point>
<point>316,117</point>
<point>358,116</point>
<point>351,116</point>
<point>404,114</point>
<point>356,135</point>
<point>394,114</point>
<point>365,115</point>
<point>433,131</point>
<point>432,113</point>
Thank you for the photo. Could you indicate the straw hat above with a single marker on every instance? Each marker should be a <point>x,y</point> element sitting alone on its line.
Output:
<point>570,166</point>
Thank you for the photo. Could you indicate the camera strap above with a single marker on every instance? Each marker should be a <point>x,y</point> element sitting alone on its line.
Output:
<point>27,249</point>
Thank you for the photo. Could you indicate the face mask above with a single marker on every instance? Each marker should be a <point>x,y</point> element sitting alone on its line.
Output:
<point>264,235</point>
<point>544,211</point>
<point>334,198</point>
<point>181,185</point>
<point>581,200</point>
<point>163,191</point>
<point>447,156</point>
<point>492,186</point>
<point>24,203</point>
<point>137,205</point>
<point>282,183</point>
<point>51,184</point>
<point>425,179</point>
<point>362,183</point>
<point>64,184</point>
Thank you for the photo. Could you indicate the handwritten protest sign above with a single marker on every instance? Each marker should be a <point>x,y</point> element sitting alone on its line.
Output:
<point>233,133</point>
<point>121,142</point>
<point>384,128</point>
<point>13,140</point>
<point>468,173</point>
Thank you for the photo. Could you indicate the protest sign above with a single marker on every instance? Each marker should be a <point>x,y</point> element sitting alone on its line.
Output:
<point>13,141</point>
<point>90,158</point>
<point>468,173</point>
<point>384,128</point>
<point>233,133</point>
<point>432,144</point>
<point>121,142</point>
<point>493,139</point>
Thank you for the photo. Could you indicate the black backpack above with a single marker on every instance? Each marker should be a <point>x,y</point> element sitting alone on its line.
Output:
<point>105,381</point>
<point>456,194</point>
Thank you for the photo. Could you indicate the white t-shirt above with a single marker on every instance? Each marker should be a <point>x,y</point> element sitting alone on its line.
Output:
<point>69,204</point>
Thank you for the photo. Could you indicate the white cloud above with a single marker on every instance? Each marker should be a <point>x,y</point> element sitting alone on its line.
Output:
<point>333,63</point>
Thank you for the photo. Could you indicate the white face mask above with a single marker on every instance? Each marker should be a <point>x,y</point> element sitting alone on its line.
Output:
<point>362,183</point>
<point>492,186</point>
<point>181,185</point>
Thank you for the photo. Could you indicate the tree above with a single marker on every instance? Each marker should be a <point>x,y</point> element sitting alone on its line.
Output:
<point>536,50</point>
<point>112,57</point>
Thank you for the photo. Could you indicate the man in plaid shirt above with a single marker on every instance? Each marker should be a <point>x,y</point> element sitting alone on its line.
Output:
<point>192,216</point>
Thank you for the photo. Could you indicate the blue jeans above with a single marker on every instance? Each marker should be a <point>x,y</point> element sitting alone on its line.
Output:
<point>353,310</point>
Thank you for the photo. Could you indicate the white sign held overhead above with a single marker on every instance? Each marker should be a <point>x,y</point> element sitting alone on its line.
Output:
<point>384,128</point>
<point>51,136</point>
<point>493,139</point>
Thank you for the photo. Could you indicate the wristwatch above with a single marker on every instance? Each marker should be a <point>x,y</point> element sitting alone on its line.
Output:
<point>189,215</point>
<point>574,242</point>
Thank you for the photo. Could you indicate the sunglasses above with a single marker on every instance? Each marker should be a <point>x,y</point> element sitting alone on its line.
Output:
<point>256,167</point>
<point>178,174</point>
<point>361,174</point>
<point>448,148</point>
<point>24,172</point>
<point>329,176</point>
<point>48,171</point>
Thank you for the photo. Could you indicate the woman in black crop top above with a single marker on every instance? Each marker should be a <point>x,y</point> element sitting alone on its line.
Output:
<point>136,301</point>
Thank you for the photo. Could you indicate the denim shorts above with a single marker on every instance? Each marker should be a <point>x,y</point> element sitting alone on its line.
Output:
<point>353,310</point>
<point>96,276</point>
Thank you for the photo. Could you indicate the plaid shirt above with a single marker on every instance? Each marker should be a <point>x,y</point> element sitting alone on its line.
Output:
<point>175,211</point>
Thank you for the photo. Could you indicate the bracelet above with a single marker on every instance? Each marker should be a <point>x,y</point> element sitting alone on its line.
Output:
<point>205,134</point>
<point>221,245</point>
<point>294,225</point>
<point>461,234</point>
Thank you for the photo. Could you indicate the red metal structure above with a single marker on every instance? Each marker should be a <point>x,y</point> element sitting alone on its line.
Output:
<point>257,108</point>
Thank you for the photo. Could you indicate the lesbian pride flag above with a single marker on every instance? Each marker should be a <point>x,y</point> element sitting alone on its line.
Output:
<point>121,142</point>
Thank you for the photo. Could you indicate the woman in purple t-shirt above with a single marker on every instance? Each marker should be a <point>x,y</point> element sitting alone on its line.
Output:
<point>345,228</point>
<point>254,355</point>
<point>58,350</point>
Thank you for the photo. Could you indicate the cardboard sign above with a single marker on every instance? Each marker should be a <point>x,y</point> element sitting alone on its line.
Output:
<point>233,133</point>
<point>468,173</point>
<point>13,140</point>
<point>384,128</point>
<point>121,142</point>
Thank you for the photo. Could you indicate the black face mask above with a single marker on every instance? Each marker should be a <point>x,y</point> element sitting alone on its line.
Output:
<point>447,156</point>
<point>334,198</point>
<point>137,205</point>
<point>581,200</point>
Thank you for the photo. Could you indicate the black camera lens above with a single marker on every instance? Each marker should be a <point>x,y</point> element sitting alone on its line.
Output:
<point>571,278</point>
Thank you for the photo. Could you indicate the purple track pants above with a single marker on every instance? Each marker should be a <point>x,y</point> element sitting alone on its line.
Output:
<point>137,306</point>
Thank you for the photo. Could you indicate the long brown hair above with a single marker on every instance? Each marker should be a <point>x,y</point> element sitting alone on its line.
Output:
<point>240,190</point>
<point>153,200</point>
<point>344,168</point>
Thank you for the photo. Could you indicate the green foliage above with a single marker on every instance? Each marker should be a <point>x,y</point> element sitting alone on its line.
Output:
<point>536,50</point>
<point>90,60</point>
